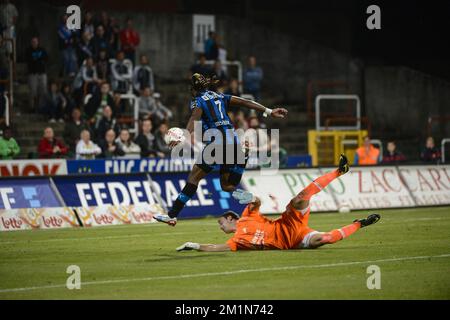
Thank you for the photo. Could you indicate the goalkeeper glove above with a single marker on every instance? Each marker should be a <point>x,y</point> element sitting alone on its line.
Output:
<point>189,246</point>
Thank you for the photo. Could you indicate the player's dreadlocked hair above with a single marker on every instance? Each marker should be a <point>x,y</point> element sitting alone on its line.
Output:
<point>201,83</point>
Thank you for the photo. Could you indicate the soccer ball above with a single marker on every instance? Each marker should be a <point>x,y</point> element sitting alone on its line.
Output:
<point>344,208</point>
<point>174,134</point>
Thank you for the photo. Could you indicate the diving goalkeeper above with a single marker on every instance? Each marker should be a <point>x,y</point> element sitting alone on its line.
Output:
<point>253,231</point>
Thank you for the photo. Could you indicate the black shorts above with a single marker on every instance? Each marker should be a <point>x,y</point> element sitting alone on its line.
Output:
<point>231,159</point>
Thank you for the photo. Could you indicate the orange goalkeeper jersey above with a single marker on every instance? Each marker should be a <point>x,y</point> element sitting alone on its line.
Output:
<point>254,231</point>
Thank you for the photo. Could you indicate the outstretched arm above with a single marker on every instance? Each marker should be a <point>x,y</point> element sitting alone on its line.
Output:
<point>203,247</point>
<point>241,102</point>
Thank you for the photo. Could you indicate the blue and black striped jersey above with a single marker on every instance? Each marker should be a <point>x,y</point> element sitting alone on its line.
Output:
<point>214,106</point>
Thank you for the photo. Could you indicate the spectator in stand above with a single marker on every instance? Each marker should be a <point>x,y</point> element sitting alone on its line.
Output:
<point>161,113</point>
<point>392,155</point>
<point>88,25</point>
<point>129,39</point>
<point>103,69</point>
<point>108,121</point>
<point>146,141</point>
<point>67,38</point>
<point>87,76</point>
<point>132,150</point>
<point>233,89</point>
<point>110,149</point>
<point>8,20</point>
<point>86,149</point>
<point>105,22</point>
<point>223,57</point>
<point>69,101</point>
<point>4,73</point>
<point>100,42</point>
<point>9,148</point>
<point>430,153</point>
<point>253,76</point>
<point>36,58</point>
<point>73,128</point>
<point>114,36</point>
<point>98,101</point>
<point>53,103</point>
<point>121,73</point>
<point>367,154</point>
<point>85,49</point>
<point>211,47</point>
<point>147,104</point>
<point>160,144</point>
<point>240,122</point>
<point>51,147</point>
<point>143,75</point>
<point>219,74</point>
<point>201,67</point>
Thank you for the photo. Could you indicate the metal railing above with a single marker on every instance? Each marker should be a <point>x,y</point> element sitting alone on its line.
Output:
<point>321,97</point>
<point>321,84</point>
<point>443,143</point>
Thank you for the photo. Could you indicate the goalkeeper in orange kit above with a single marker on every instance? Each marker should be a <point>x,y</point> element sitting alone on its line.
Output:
<point>253,231</point>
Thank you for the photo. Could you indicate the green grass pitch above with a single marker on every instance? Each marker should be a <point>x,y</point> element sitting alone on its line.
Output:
<point>411,247</point>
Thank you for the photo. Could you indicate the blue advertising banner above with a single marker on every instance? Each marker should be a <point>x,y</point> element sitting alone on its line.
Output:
<point>135,189</point>
<point>128,165</point>
<point>27,193</point>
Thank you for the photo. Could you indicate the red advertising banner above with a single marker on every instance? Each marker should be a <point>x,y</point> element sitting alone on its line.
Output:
<point>32,167</point>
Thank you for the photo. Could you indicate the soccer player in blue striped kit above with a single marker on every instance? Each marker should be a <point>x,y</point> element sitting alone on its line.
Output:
<point>210,108</point>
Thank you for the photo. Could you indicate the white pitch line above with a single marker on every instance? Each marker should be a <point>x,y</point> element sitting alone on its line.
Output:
<point>100,238</point>
<point>199,275</point>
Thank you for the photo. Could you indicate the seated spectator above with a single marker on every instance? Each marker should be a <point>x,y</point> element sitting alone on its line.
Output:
<point>233,88</point>
<point>392,155</point>
<point>146,141</point>
<point>367,154</point>
<point>107,121</point>
<point>160,144</point>
<point>129,39</point>
<point>151,107</point>
<point>131,149</point>
<point>201,67</point>
<point>98,101</point>
<point>240,122</point>
<point>73,128</point>
<point>143,75</point>
<point>147,104</point>
<point>51,147</point>
<point>110,149</point>
<point>161,113</point>
<point>69,102</point>
<point>430,153</point>
<point>120,104</point>
<point>87,75</point>
<point>100,41</point>
<point>87,25</point>
<point>86,149</point>
<point>121,73</point>
<point>253,76</point>
<point>103,68</point>
<point>85,48</point>
<point>219,74</point>
<point>9,148</point>
<point>52,103</point>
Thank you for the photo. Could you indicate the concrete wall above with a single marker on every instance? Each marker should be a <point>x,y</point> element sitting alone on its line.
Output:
<point>399,101</point>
